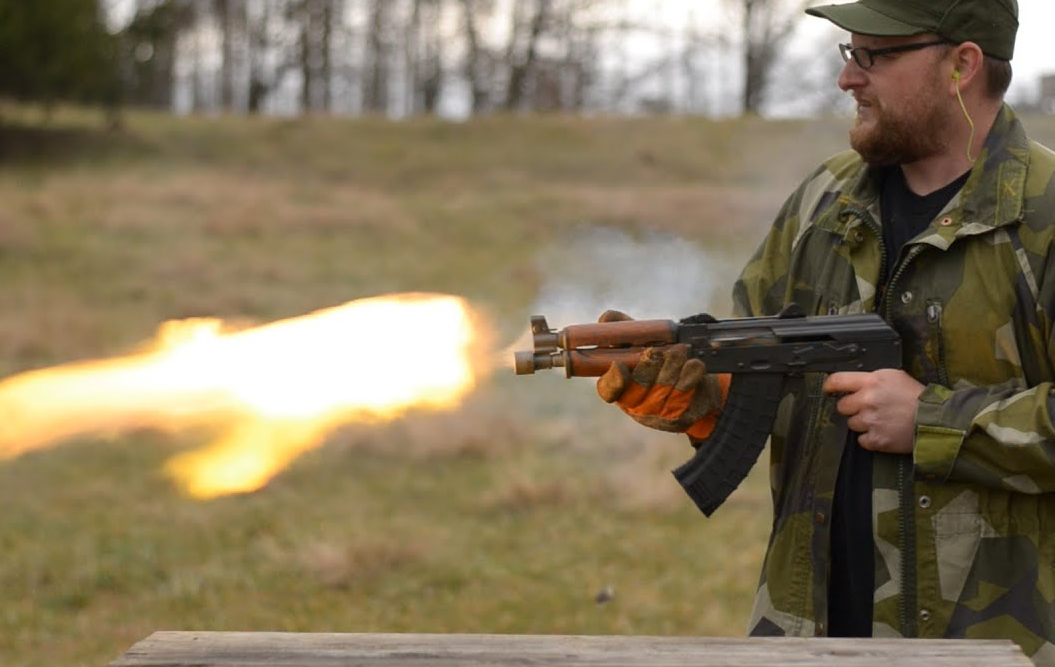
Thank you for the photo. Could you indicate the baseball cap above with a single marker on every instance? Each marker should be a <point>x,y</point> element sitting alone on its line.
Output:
<point>991,24</point>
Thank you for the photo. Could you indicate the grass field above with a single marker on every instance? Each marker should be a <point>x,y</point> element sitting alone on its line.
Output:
<point>507,515</point>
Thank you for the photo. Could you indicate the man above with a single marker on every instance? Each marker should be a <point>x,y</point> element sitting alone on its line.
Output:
<point>936,516</point>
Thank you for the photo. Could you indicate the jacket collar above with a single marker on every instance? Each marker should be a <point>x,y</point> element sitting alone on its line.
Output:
<point>994,193</point>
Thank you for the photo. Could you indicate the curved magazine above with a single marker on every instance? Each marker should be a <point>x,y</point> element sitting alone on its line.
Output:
<point>723,460</point>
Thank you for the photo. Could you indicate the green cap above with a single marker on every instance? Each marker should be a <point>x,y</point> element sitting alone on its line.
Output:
<point>991,24</point>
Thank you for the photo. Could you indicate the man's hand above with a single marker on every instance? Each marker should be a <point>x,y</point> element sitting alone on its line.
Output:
<point>666,390</point>
<point>880,405</point>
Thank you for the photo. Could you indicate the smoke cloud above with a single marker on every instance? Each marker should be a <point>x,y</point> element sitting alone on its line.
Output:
<point>646,275</point>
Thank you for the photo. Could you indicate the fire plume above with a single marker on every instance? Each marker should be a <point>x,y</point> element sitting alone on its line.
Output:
<point>273,391</point>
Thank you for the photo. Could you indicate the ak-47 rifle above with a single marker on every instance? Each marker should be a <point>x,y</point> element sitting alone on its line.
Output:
<point>760,352</point>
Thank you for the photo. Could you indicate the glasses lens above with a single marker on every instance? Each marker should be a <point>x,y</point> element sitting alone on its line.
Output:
<point>860,55</point>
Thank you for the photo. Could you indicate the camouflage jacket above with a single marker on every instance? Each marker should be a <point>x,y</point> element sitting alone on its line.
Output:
<point>964,527</point>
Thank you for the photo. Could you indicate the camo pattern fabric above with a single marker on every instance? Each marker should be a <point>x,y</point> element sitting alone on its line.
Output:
<point>964,527</point>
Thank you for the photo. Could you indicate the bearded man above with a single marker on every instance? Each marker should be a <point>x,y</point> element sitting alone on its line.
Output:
<point>916,502</point>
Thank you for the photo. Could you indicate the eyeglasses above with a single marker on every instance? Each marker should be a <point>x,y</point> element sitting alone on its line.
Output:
<point>866,58</point>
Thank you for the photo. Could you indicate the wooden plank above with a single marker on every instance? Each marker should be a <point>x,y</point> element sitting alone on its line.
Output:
<point>291,649</point>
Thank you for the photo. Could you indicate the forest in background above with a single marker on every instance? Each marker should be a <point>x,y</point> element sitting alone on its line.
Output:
<point>400,58</point>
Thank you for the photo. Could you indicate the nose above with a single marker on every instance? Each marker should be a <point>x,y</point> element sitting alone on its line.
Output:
<point>852,76</point>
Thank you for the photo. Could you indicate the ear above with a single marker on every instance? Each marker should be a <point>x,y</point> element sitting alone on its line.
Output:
<point>965,65</point>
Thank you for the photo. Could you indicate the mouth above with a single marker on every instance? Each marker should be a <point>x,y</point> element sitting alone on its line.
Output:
<point>864,107</point>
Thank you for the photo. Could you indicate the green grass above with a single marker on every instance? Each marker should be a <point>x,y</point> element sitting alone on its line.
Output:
<point>507,515</point>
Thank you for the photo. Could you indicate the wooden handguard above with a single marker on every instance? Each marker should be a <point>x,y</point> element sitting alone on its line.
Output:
<point>628,333</point>
<point>594,363</point>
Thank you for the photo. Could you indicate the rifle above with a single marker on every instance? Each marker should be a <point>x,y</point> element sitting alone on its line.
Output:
<point>760,352</point>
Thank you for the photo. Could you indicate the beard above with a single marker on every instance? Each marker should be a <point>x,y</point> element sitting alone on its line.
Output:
<point>901,137</point>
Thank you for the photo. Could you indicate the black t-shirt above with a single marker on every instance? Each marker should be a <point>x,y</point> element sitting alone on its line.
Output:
<point>905,214</point>
<point>852,579</point>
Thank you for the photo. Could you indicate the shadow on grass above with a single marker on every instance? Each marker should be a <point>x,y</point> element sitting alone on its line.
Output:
<point>43,144</point>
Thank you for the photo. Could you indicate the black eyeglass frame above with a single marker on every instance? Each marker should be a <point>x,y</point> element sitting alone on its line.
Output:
<point>848,51</point>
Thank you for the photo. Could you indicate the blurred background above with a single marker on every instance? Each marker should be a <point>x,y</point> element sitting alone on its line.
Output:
<point>271,166</point>
<point>450,58</point>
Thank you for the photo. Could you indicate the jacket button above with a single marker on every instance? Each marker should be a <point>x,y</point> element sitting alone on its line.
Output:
<point>924,615</point>
<point>924,502</point>
<point>906,297</point>
<point>820,517</point>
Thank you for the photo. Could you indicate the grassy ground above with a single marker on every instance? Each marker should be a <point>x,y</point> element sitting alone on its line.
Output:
<point>508,515</point>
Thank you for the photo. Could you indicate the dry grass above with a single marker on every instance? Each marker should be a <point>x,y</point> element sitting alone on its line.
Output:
<point>357,563</point>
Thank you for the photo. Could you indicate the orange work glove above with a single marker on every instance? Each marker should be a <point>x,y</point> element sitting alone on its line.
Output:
<point>666,390</point>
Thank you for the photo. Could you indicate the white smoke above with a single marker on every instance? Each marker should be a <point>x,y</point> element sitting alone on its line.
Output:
<point>646,275</point>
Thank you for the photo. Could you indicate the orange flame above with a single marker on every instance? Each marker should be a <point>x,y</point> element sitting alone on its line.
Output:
<point>277,389</point>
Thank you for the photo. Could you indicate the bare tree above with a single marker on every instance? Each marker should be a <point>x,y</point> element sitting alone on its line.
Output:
<point>478,64</point>
<point>808,81</point>
<point>523,47</point>
<point>766,26</point>
<point>377,59</point>
<point>423,56</point>
<point>383,56</point>
<point>331,11</point>
<point>149,45</point>
<point>228,24</point>
<point>314,23</point>
<point>259,47</point>
<point>198,92</point>
<point>552,56</point>
<point>575,34</point>
<point>692,52</point>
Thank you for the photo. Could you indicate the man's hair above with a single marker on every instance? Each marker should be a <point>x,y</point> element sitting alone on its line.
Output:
<point>997,76</point>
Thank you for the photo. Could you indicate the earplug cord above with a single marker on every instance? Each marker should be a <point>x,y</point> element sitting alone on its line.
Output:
<point>970,142</point>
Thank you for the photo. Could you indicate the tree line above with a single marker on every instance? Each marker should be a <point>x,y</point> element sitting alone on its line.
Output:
<point>394,57</point>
